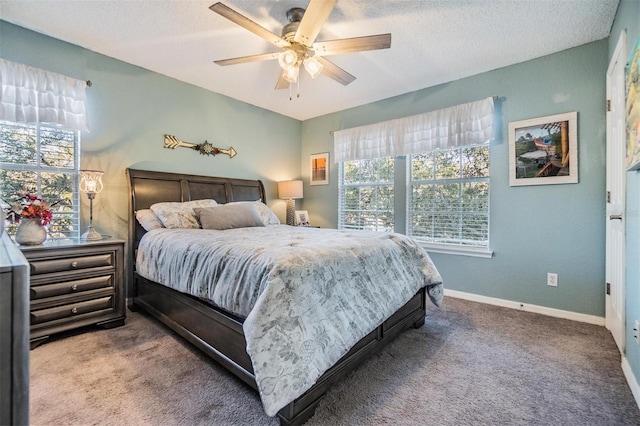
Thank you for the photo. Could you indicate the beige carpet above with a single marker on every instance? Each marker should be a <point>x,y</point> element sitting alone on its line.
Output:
<point>471,364</point>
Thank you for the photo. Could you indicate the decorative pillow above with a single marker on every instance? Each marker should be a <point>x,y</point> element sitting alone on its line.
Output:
<point>229,216</point>
<point>180,215</point>
<point>266,214</point>
<point>148,219</point>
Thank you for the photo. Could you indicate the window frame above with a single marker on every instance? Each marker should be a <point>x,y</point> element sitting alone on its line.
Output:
<point>459,245</point>
<point>402,210</point>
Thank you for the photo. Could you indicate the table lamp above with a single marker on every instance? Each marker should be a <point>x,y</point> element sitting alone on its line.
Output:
<point>290,190</point>
<point>91,184</point>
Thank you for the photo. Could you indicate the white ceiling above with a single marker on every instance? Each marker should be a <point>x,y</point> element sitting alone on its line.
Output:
<point>433,41</point>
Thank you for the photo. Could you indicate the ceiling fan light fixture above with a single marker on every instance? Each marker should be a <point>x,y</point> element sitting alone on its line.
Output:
<point>291,74</point>
<point>313,66</point>
<point>287,59</point>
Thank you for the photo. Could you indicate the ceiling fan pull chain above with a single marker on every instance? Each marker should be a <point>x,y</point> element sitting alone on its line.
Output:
<point>298,95</point>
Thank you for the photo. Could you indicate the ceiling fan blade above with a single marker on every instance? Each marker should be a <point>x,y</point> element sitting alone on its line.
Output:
<point>248,24</point>
<point>244,59</point>
<point>356,44</point>
<point>335,72</point>
<point>314,17</point>
<point>282,83</point>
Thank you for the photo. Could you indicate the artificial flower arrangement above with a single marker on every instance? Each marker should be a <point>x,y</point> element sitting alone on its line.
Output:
<point>31,207</point>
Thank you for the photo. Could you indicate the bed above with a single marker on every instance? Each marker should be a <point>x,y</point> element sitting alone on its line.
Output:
<point>229,334</point>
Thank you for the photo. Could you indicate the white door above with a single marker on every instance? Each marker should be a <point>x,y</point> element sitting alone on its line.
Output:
<point>616,187</point>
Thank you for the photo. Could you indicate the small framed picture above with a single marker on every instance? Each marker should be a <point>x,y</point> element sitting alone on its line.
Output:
<point>319,169</point>
<point>302,218</point>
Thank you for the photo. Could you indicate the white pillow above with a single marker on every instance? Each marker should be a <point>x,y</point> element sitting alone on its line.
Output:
<point>266,214</point>
<point>228,216</point>
<point>148,219</point>
<point>180,215</point>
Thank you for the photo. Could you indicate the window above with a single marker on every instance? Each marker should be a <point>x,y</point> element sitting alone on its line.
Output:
<point>366,194</point>
<point>42,160</point>
<point>448,196</point>
<point>435,185</point>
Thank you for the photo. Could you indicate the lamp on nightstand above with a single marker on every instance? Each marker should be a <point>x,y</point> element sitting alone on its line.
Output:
<point>290,190</point>
<point>91,184</point>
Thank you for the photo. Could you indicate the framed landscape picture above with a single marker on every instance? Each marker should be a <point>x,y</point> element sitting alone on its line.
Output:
<point>319,169</point>
<point>544,150</point>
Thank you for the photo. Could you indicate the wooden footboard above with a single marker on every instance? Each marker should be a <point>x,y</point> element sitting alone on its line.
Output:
<point>220,336</point>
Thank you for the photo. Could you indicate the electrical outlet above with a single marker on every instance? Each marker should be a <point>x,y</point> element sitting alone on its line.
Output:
<point>636,332</point>
<point>552,279</point>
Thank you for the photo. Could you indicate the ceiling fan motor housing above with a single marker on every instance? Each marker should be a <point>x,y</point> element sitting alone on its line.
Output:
<point>294,15</point>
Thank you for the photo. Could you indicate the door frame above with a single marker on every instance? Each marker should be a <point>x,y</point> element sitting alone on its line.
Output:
<point>615,320</point>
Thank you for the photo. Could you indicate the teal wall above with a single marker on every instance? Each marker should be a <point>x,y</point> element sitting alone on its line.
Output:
<point>628,18</point>
<point>533,229</point>
<point>130,109</point>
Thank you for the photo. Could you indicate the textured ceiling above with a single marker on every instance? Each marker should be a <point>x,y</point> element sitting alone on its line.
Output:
<point>433,41</point>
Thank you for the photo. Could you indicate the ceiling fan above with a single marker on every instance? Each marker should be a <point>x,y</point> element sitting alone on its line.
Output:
<point>298,43</point>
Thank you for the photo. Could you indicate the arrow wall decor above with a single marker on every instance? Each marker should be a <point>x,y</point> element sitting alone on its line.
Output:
<point>204,148</point>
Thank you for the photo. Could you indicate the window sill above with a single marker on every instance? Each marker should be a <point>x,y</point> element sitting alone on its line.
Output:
<point>458,250</point>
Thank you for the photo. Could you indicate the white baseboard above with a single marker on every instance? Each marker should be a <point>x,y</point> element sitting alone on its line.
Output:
<point>575,316</point>
<point>631,379</point>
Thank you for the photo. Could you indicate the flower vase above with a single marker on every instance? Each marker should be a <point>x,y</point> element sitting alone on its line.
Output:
<point>30,232</point>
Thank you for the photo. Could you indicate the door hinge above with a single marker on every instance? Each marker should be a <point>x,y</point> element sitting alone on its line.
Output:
<point>608,196</point>
<point>608,105</point>
<point>609,288</point>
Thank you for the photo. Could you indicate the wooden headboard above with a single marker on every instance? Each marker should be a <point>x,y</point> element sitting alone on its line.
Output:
<point>148,187</point>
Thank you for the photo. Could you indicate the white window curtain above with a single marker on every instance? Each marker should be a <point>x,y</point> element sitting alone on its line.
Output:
<point>460,125</point>
<point>31,95</point>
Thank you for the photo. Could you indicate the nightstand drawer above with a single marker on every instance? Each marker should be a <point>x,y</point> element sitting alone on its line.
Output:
<point>72,310</point>
<point>71,263</point>
<point>71,287</point>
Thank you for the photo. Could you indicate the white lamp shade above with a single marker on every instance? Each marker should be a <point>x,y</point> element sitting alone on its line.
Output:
<point>291,75</point>
<point>91,181</point>
<point>289,189</point>
<point>287,59</point>
<point>313,66</point>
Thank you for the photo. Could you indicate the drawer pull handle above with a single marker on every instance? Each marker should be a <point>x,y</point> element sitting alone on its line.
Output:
<point>74,287</point>
<point>74,310</point>
<point>74,264</point>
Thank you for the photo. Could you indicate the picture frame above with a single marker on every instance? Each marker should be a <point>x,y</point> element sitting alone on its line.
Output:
<point>319,169</point>
<point>633,109</point>
<point>544,150</point>
<point>302,218</point>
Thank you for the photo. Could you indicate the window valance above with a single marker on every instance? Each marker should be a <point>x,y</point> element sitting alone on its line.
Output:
<point>32,95</point>
<point>460,125</point>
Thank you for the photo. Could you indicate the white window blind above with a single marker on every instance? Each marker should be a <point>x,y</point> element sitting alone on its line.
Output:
<point>448,196</point>
<point>366,194</point>
<point>31,95</point>
<point>460,125</point>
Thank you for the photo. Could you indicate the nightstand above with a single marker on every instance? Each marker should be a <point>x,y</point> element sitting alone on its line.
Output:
<point>75,283</point>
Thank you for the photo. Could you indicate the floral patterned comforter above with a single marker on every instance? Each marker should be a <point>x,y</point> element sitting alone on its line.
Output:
<point>308,294</point>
